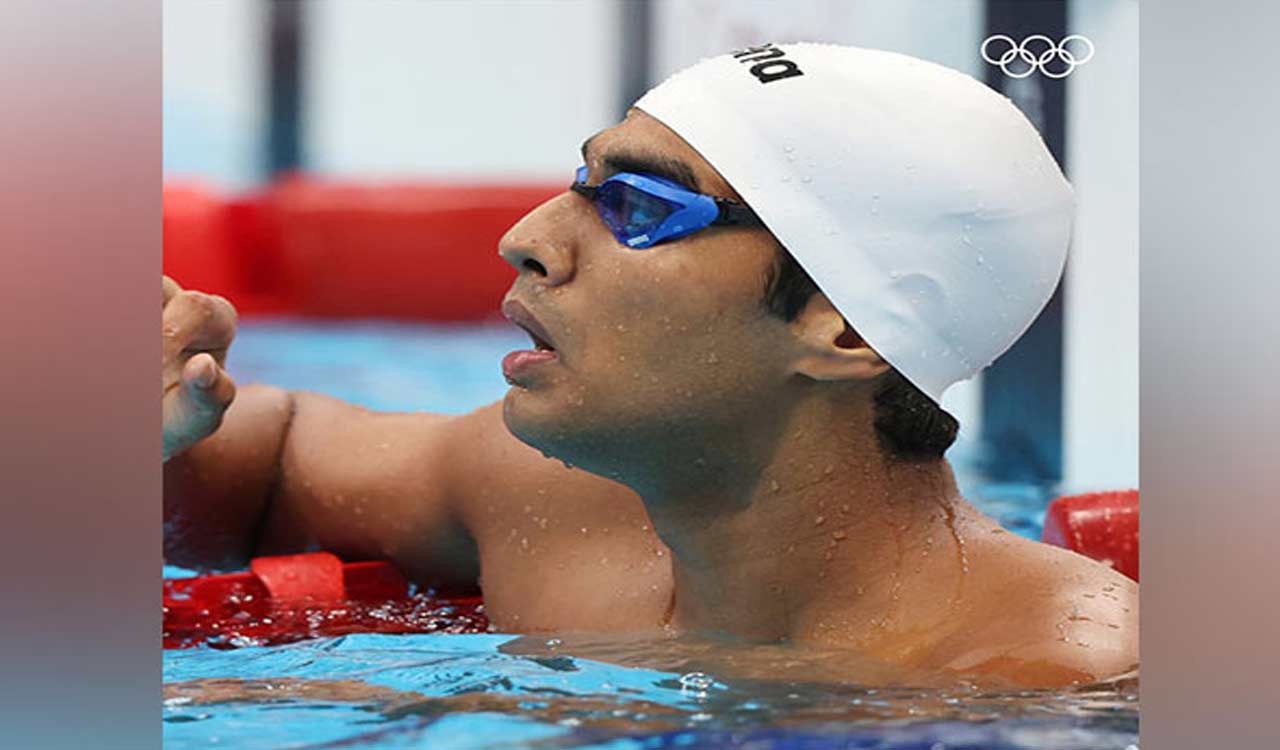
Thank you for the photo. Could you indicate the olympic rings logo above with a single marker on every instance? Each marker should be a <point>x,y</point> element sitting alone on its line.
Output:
<point>1027,54</point>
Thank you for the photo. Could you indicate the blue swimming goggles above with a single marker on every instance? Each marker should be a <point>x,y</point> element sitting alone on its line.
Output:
<point>642,210</point>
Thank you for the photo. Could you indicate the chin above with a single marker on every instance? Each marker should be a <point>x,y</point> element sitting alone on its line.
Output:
<point>533,419</point>
<point>557,430</point>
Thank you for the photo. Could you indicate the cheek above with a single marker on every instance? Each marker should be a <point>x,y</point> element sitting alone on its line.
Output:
<point>676,334</point>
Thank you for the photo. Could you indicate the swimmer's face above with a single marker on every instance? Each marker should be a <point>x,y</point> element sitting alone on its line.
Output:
<point>649,345</point>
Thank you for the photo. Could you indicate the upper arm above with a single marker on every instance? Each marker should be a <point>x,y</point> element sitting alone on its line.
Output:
<point>366,484</point>
<point>216,493</point>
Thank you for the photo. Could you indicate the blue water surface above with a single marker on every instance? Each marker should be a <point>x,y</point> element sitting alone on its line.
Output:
<point>463,691</point>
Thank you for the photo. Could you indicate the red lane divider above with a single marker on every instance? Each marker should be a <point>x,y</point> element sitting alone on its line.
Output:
<point>289,598</point>
<point>1100,525</point>
<point>329,248</point>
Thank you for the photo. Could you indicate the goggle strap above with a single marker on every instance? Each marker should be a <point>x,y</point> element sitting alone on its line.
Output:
<point>735,214</point>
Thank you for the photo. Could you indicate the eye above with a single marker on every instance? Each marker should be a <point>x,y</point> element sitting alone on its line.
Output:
<point>631,209</point>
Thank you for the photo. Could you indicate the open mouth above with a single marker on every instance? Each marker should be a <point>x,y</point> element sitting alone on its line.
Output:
<point>538,344</point>
<point>516,366</point>
<point>520,315</point>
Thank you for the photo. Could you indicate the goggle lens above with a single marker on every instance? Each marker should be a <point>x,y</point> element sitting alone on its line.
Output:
<point>631,213</point>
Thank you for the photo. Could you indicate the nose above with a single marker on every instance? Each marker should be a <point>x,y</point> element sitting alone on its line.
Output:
<point>542,245</point>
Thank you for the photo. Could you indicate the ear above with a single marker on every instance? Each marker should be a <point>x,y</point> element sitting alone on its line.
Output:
<point>829,348</point>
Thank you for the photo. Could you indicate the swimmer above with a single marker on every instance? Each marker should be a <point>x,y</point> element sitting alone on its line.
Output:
<point>743,315</point>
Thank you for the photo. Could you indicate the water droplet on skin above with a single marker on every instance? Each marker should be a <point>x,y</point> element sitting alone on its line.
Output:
<point>554,643</point>
<point>839,535</point>
<point>773,485</point>
<point>712,358</point>
<point>819,520</point>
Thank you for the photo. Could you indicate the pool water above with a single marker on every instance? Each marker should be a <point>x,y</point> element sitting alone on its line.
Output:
<point>503,691</point>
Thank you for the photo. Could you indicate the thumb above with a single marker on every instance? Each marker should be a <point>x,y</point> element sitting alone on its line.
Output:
<point>193,410</point>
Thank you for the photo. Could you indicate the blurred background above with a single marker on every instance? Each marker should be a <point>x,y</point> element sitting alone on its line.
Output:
<point>342,170</point>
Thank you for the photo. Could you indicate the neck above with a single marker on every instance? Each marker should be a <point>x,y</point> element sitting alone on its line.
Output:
<point>761,534</point>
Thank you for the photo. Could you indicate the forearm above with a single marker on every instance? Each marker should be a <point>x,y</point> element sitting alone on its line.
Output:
<point>217,493</point>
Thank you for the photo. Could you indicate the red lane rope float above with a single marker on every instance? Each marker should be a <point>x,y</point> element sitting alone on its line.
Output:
<point>1100,525</point>
<point>292,597</point>
<point>330,248</point>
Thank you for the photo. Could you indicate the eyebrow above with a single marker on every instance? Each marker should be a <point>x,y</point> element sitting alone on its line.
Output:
<point>661,166</point>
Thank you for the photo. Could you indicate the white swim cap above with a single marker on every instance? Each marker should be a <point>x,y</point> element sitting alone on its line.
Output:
<point>923,203</point>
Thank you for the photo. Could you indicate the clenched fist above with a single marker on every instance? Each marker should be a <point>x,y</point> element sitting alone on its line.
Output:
<point>197,330</point>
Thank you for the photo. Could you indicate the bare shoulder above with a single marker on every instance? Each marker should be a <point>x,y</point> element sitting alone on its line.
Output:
<point>1047,616</point>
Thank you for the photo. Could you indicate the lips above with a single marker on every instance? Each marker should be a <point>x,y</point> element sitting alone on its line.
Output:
<point>518,363</point>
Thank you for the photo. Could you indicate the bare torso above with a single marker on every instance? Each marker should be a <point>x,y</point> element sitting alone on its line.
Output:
<point>557,550</point>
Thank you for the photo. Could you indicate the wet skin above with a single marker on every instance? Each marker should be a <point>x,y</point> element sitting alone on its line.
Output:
<point>745,441</point>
